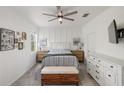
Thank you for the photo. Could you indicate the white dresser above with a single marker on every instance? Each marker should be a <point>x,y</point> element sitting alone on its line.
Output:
<point>107,71</point>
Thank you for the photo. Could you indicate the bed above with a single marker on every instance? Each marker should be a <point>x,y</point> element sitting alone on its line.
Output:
<point>56,66</point>
<point>60,57</point>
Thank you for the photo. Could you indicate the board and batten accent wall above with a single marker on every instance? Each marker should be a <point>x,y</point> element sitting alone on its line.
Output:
<point>60,34</point>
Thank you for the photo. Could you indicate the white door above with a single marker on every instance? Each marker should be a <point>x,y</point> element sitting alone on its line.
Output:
<point>91,42</point>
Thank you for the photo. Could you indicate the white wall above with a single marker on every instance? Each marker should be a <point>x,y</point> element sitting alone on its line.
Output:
<point>14,63</point>
<point>60,34</point>
<point>99,25</point>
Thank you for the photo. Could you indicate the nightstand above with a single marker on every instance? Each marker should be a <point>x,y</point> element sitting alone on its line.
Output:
<point>79,54</point>
<point>40,55</point>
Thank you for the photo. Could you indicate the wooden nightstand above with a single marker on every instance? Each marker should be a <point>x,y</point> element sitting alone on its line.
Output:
<point>40,55</point>
<point>79,54</point>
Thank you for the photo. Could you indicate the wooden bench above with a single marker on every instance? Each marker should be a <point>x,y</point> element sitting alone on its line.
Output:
<point>59,75</point>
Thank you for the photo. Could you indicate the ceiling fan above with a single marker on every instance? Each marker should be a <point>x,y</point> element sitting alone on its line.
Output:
<point>60,16</point>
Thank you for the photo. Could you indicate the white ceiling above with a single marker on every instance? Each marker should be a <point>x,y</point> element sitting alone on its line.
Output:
<point>34,14</point>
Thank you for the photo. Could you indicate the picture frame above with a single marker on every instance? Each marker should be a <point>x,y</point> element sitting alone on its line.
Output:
<point>24,36</point>
<point>33,42</point>
<point>43,42</point>
<point>20,45</point>
<point>76,41</point>
<point>7,39</point>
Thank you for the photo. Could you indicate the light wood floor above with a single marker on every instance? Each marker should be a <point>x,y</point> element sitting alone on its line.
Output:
<point>32,77</point>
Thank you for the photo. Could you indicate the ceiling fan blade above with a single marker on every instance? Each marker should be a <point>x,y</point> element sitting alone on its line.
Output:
<point>58,8</point>
<point>52,19</point>
<point>49,14</point>
<point>68,18</point>
<point>71,13</point>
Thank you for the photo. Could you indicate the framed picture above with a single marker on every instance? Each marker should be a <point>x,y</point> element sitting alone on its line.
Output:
<point>33,42</point>
<point>24,36</point>
<point>43,42</point>
<point>20,45</point>
<point>7,39</point>
<point>76,41</point>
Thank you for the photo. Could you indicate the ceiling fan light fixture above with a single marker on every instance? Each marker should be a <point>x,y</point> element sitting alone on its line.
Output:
<point>60,13</point>
<point>60,16</point>
<point>60,20</point>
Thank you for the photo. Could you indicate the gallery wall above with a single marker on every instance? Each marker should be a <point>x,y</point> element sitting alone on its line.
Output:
<point>60,34</point>
<point>99,26</point>
<point>14,63</point>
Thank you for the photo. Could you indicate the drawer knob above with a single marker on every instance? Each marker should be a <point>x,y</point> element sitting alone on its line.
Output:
<point>89,69</point>
<point>97,77</point>
<point>111,66</point>
<point>97,66</point>
<point>93,58</point>
<point>99,61</point>
<point>97,72</point>
<point>109,75</point>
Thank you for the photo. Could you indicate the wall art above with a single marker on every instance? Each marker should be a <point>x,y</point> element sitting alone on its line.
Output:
<point>33,41</point>
<point>20,45</point>
<point>24,36</point>
<point>76,41</point>
<point>7,39</point>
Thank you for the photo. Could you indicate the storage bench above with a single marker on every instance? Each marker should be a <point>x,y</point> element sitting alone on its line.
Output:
<point>59,75</point>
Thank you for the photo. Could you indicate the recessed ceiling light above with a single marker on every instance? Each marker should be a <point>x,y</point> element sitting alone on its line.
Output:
<point>86,14</point>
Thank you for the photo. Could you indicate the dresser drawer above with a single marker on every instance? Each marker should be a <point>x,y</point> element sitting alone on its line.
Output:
<point>90,69</point>
<point>79,56</point>
<point>99,67</point>
<point>111,66</point>
<point>99,72</point>
<point>42,52</point>
<point>77,52</point>
<point>99,79</point>
<point>40,56</point>
<point>110,77</point>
